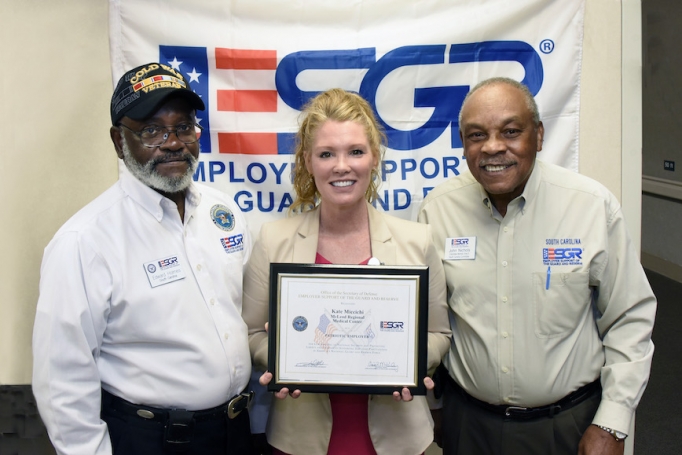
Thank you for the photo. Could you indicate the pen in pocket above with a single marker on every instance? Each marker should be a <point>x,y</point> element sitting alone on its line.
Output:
<point>549,273</point>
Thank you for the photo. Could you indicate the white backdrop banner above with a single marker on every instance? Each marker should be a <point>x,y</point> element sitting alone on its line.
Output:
<point>255,63</point>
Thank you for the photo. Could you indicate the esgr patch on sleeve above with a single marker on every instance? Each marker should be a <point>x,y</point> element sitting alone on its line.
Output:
<point>233,244</point>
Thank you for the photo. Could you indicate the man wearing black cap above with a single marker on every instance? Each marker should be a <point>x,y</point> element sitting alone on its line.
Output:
<point>139,345</point>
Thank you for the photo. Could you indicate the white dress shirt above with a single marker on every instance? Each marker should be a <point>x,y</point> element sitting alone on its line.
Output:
<point>137,302</point>
<point>547,298</point>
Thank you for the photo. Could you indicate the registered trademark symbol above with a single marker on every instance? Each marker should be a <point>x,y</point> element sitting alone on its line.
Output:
<point>546,46</point>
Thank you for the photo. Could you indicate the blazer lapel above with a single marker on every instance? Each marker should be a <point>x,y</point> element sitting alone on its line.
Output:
<point>305,243</point>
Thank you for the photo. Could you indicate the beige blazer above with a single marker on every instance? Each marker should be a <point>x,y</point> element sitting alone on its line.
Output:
<point>303,425</point>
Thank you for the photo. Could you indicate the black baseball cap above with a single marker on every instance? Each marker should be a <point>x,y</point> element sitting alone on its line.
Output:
<point>141,91</point>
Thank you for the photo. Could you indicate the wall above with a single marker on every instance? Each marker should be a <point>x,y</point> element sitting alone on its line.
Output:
<point>56,154</point>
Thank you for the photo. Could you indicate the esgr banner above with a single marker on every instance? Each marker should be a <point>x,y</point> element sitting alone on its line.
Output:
<point>256,63</point>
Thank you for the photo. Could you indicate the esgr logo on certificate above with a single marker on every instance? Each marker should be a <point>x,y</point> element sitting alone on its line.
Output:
<point>392,326</point>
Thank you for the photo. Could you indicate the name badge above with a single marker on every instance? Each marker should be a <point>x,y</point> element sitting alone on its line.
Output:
<point>164,271</point>
<point>460,248</point>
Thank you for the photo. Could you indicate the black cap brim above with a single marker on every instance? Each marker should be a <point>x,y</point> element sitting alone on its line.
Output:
<point>154,100</point>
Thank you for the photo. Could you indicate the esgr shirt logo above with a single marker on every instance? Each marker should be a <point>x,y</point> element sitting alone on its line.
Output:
<point>562,256</point>
<point>233,243</point>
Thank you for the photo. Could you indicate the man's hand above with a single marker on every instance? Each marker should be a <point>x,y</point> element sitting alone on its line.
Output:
<point>596,441</point>
<point>265,379</point>
<point>405,395</point>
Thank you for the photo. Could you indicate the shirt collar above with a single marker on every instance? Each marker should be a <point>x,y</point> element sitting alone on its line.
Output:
<point>192,200</point>
<point>530,191</point>
<point>532,185</point>
<point>154,202</point>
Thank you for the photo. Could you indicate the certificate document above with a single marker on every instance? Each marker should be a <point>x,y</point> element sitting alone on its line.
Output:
<point>348,328</point>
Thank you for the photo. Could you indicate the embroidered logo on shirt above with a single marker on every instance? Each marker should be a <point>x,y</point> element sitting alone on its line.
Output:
<point>566,254</point>
<point>562,256</point>
<point>233,244</point>
<point>222,217</point>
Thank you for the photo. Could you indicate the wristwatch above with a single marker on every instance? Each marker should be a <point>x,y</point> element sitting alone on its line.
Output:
<point>619,436</point>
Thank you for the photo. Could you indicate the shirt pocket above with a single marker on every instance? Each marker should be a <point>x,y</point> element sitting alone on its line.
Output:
<point>560,305</point>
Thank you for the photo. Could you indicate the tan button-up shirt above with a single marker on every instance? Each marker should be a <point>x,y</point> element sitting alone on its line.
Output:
<point>547,298</point>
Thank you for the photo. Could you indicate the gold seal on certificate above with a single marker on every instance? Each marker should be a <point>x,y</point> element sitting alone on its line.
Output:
<point>359,329</point>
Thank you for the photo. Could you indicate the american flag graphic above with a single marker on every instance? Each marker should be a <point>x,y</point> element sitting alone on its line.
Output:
<point>369,333</point>
<point>323,332</point>
<point>204,80</point>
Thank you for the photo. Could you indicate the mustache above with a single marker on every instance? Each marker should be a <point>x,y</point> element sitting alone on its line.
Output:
<point>495,163</point>
<point>168,157</point>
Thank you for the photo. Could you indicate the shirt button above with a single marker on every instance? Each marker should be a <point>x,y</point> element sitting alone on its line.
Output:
<point>505,334</point>
<point>504,299</point>
<point>226,336</point>
<point>506,229</point>
<point>504,263</point>
<point>212,301</point>
<point>505,370</point>
<point>199,267</point>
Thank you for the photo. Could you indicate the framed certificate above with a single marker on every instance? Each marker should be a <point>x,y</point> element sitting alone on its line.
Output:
<point>354,329</point>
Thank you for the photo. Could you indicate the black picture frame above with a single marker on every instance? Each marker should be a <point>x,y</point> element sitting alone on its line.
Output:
<point>363,276</point>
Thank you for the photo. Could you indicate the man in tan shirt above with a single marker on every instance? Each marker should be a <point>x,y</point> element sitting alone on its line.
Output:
<point>550,309</point>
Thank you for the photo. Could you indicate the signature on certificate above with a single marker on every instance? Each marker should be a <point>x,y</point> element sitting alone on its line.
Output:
<point>312,364</point>
<point>381,366</point>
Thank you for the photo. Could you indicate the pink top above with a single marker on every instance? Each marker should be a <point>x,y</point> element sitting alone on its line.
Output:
<point>350,425</point>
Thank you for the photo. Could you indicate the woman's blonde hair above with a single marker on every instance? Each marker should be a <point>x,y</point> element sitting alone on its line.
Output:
<point>340,106</point>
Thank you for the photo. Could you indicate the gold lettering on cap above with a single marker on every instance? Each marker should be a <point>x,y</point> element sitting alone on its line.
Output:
<point>143,72</point>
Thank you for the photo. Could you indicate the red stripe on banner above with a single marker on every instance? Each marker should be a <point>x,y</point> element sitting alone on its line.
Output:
<point>248,143</point>
<point>247,100</point>
<point>245,59</point>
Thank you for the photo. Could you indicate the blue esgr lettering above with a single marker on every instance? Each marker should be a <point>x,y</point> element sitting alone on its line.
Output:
<point>567,253</point>
<point>445,101</point>
<point>235,240</point>
<point>163,263</point>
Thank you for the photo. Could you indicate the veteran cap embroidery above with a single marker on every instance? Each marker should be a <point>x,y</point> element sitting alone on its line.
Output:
<point>141,91</point>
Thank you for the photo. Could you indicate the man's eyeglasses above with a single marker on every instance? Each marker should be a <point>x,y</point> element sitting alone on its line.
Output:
<point>156,136</point>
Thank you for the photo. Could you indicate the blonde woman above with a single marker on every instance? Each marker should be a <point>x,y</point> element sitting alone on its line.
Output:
<point>339,149</point>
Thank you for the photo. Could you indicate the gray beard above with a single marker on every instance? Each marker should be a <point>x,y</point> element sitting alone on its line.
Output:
<point>147,174</point>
